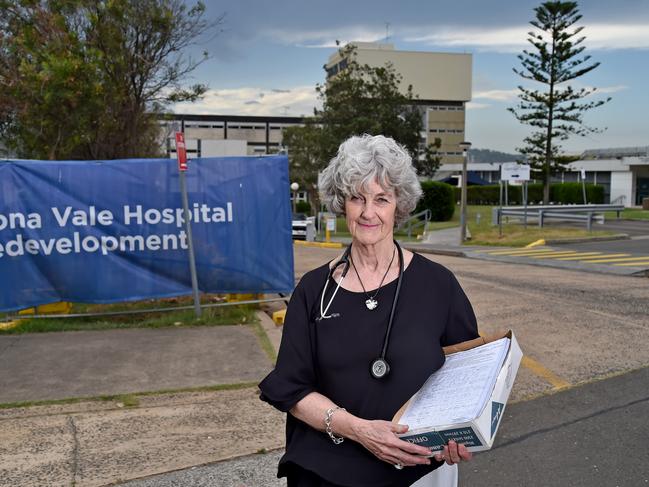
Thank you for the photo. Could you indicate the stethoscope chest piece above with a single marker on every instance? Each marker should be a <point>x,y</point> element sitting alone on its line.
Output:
<point>379,368</point>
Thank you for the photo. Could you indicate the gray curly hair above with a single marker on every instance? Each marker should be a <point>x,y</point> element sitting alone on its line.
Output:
<point>366,158</point>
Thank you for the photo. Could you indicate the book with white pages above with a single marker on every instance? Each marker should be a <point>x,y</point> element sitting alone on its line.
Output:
<point>465,399</point>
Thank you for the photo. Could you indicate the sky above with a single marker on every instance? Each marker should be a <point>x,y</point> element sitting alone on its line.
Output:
<point>266,58</point>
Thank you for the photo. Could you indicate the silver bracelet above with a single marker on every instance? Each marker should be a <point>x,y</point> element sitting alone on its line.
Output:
<point>330,412</point>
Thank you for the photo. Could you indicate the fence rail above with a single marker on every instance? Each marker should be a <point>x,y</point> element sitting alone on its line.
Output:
<point>417,220</point>
<point>579,213</point>
<point>141,311</point>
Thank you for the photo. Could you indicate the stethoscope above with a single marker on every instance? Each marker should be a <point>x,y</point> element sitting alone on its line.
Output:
<point>379,367</point>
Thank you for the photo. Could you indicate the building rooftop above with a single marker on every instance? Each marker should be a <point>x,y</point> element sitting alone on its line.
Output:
<point>616,152</point>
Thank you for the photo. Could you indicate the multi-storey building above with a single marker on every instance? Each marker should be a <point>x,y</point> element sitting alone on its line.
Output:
<point>227,135</point>
<point>440,81</point>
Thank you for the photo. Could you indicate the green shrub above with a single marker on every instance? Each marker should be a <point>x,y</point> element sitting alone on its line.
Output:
<point>303,207</point>
<point>560,193</point>
<point>439,199</point>
<point>572,193</point>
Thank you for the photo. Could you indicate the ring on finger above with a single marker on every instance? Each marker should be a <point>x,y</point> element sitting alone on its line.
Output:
<point>398,466</point>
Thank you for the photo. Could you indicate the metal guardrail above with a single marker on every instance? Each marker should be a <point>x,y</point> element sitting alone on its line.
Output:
<point>416,220</point>
<point>585,213</point>
<point>589,217</point>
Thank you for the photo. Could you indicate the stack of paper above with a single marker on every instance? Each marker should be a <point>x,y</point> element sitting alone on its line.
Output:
<point>459,391</point>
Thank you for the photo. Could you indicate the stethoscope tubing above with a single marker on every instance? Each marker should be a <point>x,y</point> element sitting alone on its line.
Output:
<point>386,340</point>
<point>323,312</point>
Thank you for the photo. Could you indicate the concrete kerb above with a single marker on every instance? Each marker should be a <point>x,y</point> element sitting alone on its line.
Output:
<point>610,238</point>
<point>326,245</point>
<point>273,331</point>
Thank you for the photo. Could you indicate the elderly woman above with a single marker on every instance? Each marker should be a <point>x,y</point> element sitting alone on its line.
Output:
<point>363,332</point>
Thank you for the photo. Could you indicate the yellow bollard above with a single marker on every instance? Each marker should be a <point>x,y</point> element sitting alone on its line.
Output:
<point>6,325</point>
<point>278,317</point>
<point>58,308</point>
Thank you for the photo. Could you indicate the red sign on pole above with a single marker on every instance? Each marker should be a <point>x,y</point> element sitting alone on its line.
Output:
<point>181,151</point>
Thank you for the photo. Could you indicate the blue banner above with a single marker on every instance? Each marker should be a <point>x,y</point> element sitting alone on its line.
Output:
<point>108,231</point>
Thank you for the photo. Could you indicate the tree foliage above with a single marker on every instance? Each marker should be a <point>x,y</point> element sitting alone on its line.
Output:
<point>305,156</point>
<point>360,99</point>
<point>86,79</point>
<point>556,110</point>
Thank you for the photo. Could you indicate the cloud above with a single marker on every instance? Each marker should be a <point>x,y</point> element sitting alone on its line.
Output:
<point>326,38</point>
<point>512,94</point>
<point>297,101</point>
<point>471,105</point>
<point>514,38</point>
<point>496,95</point>
<point>611,89</point>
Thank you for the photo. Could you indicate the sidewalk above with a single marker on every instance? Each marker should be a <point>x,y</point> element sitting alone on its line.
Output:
<point>93,443</point>
<point>47,366</point>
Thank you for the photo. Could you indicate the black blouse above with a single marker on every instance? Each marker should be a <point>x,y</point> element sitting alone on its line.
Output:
<point>333,356</point>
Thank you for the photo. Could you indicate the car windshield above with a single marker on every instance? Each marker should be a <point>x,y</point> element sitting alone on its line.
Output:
<point>299,216</point>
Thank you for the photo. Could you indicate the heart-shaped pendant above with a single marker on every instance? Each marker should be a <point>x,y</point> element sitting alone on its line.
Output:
<point>371,303</point>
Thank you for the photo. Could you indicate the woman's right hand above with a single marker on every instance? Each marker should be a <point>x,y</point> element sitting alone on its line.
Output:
<point>380,438</point>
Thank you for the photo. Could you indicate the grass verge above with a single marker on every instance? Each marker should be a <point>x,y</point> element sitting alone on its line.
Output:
<point>128,400</point>
<point>483,233</point>
<point>226,315</point>
<point>628,214</point>
<point>264,341</point>
<point>514,234</point>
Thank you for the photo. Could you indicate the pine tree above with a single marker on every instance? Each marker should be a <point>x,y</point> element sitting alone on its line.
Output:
<point>555,111</point>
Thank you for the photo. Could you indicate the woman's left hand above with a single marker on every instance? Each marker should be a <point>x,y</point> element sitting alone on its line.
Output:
<point>454,453</point>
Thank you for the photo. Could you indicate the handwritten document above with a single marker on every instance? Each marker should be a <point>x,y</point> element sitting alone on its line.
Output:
<point>459,390</point>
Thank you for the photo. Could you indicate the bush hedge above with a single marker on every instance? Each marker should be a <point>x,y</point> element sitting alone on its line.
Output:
<point>439,199</point>
<point>560,193</point>
<point>303,207</point>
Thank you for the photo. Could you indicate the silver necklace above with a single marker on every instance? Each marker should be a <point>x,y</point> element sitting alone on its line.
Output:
<point>371,301</point>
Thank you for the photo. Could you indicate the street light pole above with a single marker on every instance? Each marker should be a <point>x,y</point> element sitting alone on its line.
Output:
<point>294,188</point>
<point>465,148</point>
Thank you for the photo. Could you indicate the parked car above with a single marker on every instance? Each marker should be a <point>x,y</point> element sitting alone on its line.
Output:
<point>300,223</point>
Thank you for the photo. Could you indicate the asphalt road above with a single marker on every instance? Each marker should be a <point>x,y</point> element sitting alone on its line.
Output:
<point>594,435</point>
<point>636,246</point>
<point>576,329</point>
<point>573,326</point>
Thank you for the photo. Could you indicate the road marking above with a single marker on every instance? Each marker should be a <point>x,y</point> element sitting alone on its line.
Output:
<point>580,256</point>
<point>621,259</point>
<point>564,253</point>
<point>604,257</point>
<point>538,243</point>
<point>518,252</point>
<point>642,263</point>
<point>544,373</point>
